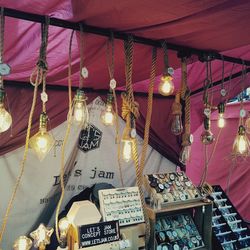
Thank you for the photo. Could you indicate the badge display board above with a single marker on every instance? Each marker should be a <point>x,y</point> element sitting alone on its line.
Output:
<point>123,204</point>
<point>229,229</point>
<point>168,188</point>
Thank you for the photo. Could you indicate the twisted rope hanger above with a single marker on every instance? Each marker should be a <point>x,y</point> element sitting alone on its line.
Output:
<point>36,78</point>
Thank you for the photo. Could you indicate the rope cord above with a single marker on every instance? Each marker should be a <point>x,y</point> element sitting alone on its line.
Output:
<point>81,56</point>
<point>65,140</point>
<point>36,78</point>
<point>2,21</point>
<point>183,78</point>
<point>165,51</point>
<point>140,167</point>
<point>111,67</point>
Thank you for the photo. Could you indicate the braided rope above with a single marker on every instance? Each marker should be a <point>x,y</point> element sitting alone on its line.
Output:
<point>65,140</point>
<point>165,51</point>
<point>111,69</point>
<point>37,77</point>
<point>140,168</point>
<point>183,78</point>
<point>81,56</point>
<point>22,164</point>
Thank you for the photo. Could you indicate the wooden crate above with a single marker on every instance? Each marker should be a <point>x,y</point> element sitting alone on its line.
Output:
<point>201,213</point>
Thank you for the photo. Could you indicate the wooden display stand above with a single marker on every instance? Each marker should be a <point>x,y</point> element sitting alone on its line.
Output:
<point>200,211</point>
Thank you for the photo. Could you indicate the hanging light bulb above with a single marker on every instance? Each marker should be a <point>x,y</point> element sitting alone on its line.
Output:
<point>107,115</point>
<point>241,143</point>
<point>127,144</point>
<point>22,243</point>
<point>41,236</point>
<point>166,86</point>
<point>207,136</point>
<point>80,109</point>
<point>185,154</point>
<point>247,123</point>
<point>221,110</point>
<point>63,227</point>
<point>43,141</point>
<point>5,117</point>
<point>176,126</point>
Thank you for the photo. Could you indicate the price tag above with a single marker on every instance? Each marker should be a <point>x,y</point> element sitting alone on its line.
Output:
<point>85,72</point>
<point>44,97</point>
<point>98,233</point>
<point>112,83</point>
<point>171,71</point>
<point>223,92</point>
<point>243,113</point>
<point>207,112</point>
<point>133,133</point>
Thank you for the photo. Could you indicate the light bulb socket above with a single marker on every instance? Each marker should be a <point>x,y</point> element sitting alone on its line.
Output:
<point>2,94</point>
<point>80,95</point>
<point>221,108</point>
<point>43,121</point>
<point>241,130</point>
<point>110,98</point>
<point>207,123</point>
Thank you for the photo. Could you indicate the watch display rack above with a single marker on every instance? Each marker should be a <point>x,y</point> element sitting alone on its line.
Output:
<point>177,232</point>
<point>229,229</point>
<point>168,188</point>
<point>181,226</point>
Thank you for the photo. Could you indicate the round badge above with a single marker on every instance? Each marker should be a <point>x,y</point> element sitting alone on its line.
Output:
<point>4,69</point>
<point>133,133</point>
<point>223,92</point>
<point>188,183</point>
<point>182,197</point>
<point>85,72</point>
<point>243,113</point>
<point>176,247</point>
<point>161,187</point>
<point>172,177</point>
<point>166,185</point>
<point>112,83</point>
<point>161,176</point>
<point>177,183</point>
<point>194,240</point>
<point>175,234</point>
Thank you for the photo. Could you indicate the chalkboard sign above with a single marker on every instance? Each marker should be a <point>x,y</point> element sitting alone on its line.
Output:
<point>98,233</point>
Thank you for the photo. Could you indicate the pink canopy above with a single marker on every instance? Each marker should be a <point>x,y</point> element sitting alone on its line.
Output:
<point>218,25</point>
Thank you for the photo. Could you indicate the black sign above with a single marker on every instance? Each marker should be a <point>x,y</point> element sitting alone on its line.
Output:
<point>99,233</point>
<point>90,138</point>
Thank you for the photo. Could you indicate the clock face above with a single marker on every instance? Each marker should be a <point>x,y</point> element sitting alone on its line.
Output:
<point>4,69</point>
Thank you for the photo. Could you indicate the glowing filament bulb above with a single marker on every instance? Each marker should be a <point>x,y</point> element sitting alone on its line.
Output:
<point>127,146</point>
<point>5,117</point>
<point>22,243</point>
<point>166,86</point>
<point>107,116</point>
<point>221,121</point>
<point>241,143</point>
<point>63,227</point>
<point>80,109</point>
<point>42,141</point>
<point>221,110</point>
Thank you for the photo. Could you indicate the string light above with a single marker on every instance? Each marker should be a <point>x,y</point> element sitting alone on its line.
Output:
<point>63,227</point>
<point>241,143</point>
<point>221,120</point>
<point>22,243</point>
<point>80,109</point>
<point>166,86</point>
<point>43,141</point>
<point>5,117</point>
<point>107,115</point>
